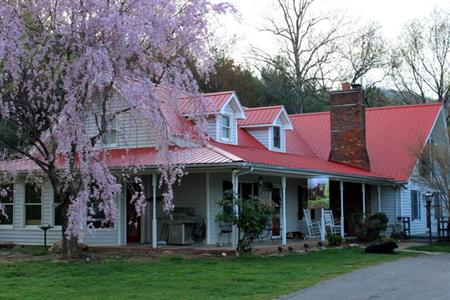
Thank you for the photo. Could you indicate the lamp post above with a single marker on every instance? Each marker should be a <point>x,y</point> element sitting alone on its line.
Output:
<point>428,199</point>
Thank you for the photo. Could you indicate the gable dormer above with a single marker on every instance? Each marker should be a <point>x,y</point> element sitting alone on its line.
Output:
<point>222,109</point>
<point>268,125</point>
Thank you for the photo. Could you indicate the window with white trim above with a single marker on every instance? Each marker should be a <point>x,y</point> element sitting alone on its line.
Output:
<point>226,128</point>
<point>96,215</point>
<point>277,137</point>
<point>33,204</point>
<point>415,205</point>
<point>6,199</point>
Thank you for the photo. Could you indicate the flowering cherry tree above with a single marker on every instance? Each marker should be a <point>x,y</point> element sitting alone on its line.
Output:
<point>62,58</point>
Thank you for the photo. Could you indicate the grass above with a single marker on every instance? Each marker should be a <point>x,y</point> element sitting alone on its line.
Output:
<point>245,277</point>
<point>30,250</point>
<point>435,247</point>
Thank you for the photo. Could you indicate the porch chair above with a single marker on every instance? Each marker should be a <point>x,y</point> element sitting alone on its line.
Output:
<point>313,227</point>
<point>329,222</point>
<point>225,228</point>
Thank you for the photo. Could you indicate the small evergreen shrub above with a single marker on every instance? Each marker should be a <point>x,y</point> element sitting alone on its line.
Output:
<point>369,229</point>
<point>334,239</point>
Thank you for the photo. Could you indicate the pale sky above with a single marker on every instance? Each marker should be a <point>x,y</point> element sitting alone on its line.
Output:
<point>392,15</point>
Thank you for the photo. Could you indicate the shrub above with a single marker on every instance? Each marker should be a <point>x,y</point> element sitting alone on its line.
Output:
<point>369,229</point>
<point>334,239</point>
<point>254,217</point>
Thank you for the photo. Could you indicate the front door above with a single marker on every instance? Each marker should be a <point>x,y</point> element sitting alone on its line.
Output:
<point>276,200</point>
<point>133,222</point>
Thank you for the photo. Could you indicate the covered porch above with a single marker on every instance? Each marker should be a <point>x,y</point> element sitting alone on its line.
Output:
<point>194,220</point>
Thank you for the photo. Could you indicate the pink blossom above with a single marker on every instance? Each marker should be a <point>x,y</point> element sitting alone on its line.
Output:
<point>72,57</point>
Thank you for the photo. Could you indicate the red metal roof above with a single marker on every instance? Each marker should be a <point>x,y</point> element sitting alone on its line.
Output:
<point>260,115</point>
<point>264,156</point>
<point>213,102</point>
<point>146,156</point>
<point>391,132</point>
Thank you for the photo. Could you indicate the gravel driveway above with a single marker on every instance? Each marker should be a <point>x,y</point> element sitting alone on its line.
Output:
<point>424,277</point>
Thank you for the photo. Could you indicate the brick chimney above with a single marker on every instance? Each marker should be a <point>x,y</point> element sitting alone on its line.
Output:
<point>348,127</point>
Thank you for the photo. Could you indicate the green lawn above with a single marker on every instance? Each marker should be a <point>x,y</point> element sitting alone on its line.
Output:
<point>436,247</point>
<point>250,277</point>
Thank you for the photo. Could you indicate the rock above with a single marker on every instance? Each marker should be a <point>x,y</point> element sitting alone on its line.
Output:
<point>56,247</point>
<point>83,247</point>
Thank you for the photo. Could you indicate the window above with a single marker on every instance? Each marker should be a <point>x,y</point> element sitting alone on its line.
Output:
<point>33,204</point>
<point>58,218</point>
<point>6,199</point>
<point>415,205</point>
<point>226,128</point>
<point>110,137</point>
<point>277,137</point>
<point>96,216</point>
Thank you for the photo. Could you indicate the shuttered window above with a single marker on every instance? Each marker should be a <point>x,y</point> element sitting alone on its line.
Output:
<point>415,205</point>
<point>277,137</point>
<point>437,205</point>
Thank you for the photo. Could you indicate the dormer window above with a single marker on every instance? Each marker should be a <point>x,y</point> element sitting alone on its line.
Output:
<point>268,125</point>
<point>226,128</point>
<point>276,137</point>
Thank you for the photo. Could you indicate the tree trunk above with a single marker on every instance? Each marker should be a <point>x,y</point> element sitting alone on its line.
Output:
<point>69,245</point>
<point>69,248</point>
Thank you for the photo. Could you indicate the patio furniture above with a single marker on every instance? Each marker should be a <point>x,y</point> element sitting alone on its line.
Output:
<point>443,228</point>
<point>314,228</point>
<point>330,225</point>
<point>266,234</point>
<point>225,228</point>
<point>406,225</point>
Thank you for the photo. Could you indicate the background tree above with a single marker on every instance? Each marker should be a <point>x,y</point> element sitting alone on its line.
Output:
<point>61,59</point>
<point>363,52</point>
<point>434,168</point>
<point>421,61</point>
<point>226,75</point>
<point>304,44</point>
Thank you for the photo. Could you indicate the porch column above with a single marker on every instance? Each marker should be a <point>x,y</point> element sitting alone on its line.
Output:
<point>235,182</point>
<point>208,241</point>
<point>379,198</point>
<point>363,188</point>
<point>341,189</point>
<point>154,221</point>
<point>283,211</point>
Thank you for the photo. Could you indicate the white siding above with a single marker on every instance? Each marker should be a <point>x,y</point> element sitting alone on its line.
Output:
<point>418,226</point>
<point>216,192</point>
<point>293,223</point>
<point>132,130</point>
<point>212,127</point>
<point>32,235</point>
<point>390,199</point>
<point>261,134</point>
